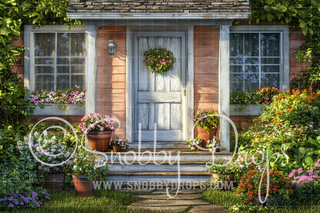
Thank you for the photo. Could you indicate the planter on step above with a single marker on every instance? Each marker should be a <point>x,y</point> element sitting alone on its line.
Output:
<point>225,178</point>
<point>82,185</point>
<point>99,141</point>
<point>116,148</point>
<point>204,136</point>
<point>54,182</point>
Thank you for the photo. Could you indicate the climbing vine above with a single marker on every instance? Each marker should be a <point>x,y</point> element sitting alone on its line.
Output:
<point>13,15</point>
<point>305,16</point>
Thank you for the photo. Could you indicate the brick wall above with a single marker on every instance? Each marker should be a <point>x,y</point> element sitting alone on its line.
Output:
<point>111,75</point>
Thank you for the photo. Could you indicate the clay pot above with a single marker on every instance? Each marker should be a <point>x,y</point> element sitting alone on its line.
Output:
<point>82,185</point>
<point>227,178</point>
<point>204,136</point>
<point>54,182</point>
<point>116,148</point>
<point>99,141</point>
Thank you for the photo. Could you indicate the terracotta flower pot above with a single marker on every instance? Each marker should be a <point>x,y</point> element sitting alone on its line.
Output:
<point>54,182</point>
<point>82,185</point>
<point>116,148</point>
<point>204,136</point>
<point>99,141</point>
<point>227,178</point>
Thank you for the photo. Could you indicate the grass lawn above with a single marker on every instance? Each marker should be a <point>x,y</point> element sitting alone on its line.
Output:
<point>229,198</point>
<point>103,201</point>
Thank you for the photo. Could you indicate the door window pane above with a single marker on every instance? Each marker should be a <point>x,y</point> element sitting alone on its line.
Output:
<point>44,82</point>
<point>44,44</point>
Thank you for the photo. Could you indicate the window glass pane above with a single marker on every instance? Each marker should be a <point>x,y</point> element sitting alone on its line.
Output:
<point>77,69</point>
<point>44,44</point>
<point>270,80</point>
<point>236,44</point>
<point>270,68</point>
<point>270,44</point>
<point>251,44</point>
<point>44,82</point>
<point>251,82</point>
<point>251,61</point>
<point>236,83</point>
<point>77,44</point>
<point>63,69</point>
<point>270,61</point>
<point>78,80</point>
<point>63,82</point>
<point>62,60</point>
<point>77,60</point>
<point>43,69</point>
<point>236,60</point>
<point>63,44</point>
<point>251,69</point>
<point>44,61</point>
<point>238,69</point>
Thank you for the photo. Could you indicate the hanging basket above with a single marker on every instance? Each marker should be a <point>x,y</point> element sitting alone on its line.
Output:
<point>159,60</point>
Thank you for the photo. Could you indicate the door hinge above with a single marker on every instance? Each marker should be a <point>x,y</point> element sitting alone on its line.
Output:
<point>185,92</point>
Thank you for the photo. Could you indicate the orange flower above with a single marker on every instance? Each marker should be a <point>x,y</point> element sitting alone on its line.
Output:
<point>274,118</point>
<point>304,98</point>
<point>315,98</point>
<point>278,123</point>
<point>306,106</point>
<point>293,105</point>
<point>309,100</point>
<point>310,88</point>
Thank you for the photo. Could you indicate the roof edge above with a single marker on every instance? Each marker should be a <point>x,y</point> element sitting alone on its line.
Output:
<point>153,16</point>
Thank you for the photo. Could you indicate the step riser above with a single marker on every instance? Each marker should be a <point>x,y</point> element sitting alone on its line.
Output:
<point>159,145</point>
<point>162,179</point>
<point>162,168</point>
<point>184,157</point>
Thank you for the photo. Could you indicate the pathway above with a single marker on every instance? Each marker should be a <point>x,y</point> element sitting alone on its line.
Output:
<point>185,200</point>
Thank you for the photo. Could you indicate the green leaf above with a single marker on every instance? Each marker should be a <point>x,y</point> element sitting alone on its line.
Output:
<point>308,160</point>
<point>314,142</point>
<point>302,150</point>
<point>277,147</point>
<point>270,17</point>
<point>5,31</point>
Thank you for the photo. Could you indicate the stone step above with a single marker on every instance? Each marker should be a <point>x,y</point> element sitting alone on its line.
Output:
<point>172,209</point>
<point>165,197</point>
<point>209,209</point>
<point>138,173</point>
<point>170,202</point>
<point>161,168</point>
<point>182,191</point>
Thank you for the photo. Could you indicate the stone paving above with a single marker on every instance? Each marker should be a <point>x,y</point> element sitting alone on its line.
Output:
<point>186,200</point>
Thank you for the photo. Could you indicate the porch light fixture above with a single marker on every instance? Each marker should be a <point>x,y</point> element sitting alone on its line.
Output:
<point>112,47</point>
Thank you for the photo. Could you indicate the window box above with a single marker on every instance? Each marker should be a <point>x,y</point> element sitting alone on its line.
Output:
<point>251,109</point>
<point>59,109</point>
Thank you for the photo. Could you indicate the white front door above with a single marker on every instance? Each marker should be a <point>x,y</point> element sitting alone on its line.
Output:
<point>160,99</point>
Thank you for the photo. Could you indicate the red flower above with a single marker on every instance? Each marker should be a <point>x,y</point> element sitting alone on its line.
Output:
<point>278,91</point>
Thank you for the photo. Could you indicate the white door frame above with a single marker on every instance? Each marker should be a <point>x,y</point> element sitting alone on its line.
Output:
<point>131,42</point>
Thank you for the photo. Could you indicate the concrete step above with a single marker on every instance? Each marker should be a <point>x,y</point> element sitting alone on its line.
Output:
<point>197,166</point>
<point>171,154</point>
<point>159,145</point>
<point>159,177</point>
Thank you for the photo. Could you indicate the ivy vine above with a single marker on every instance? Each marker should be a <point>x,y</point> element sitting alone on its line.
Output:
<point>13,15</point>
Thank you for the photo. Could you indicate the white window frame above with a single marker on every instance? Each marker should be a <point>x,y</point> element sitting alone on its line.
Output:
<point>29,31</point>
<point>284,49</point>
<point>29,59</point>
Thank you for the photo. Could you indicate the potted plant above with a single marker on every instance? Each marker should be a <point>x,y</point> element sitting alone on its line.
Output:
<point>212,145</point>
<point>98,130</point>
<point>84,170</point>
<point>226,174</point>
<point>206,125</point>
<point>50,150</point>
<point>118,144</point>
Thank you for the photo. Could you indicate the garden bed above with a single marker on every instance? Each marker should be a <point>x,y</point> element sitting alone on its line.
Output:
<point>61,109</point>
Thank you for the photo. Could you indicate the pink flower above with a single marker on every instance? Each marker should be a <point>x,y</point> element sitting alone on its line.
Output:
<point>317,164</point>
<point>32,99</point>
<point>72,93</point>
<point>82,99</point>
<point>299,170</point>
<point>167,56</point>
<point>48,99</point>
<point>151,62</point>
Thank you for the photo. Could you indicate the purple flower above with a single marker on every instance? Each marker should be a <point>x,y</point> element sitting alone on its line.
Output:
<point>47,197</point>
<point>10,198</point>
<point>21,203</point>
<point>11,205</point>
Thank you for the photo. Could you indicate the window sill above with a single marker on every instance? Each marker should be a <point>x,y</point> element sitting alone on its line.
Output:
<point>251,109</point>
<point>73,109</point>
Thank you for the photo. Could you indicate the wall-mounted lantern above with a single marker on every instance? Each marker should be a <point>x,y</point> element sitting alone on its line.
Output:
<point>112,47</point>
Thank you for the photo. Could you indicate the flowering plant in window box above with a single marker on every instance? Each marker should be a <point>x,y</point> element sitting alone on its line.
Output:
<point>118,144</point>
<point>98,130</point>
<point>159,60</point>
<point>71,96</point>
